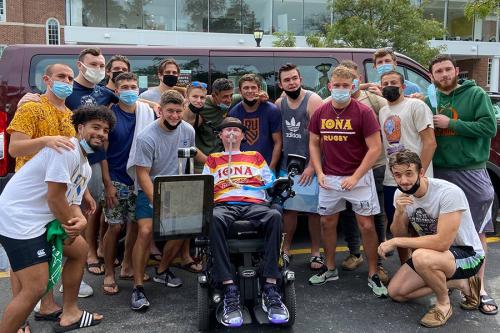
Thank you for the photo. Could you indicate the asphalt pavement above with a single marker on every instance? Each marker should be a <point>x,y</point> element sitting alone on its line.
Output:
<point>346,305</point>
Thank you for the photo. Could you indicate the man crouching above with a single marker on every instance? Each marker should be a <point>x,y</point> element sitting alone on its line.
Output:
<point>447,252</point>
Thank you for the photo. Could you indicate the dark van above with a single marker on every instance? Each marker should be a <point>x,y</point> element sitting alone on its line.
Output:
<point>22,67</point>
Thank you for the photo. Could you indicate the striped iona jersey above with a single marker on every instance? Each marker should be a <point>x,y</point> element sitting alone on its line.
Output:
<point>247,168</point>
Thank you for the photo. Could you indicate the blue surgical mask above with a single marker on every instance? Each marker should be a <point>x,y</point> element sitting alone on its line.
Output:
<point>223,106</point>
<point>61,89</point>
<point>86,147</point>
<point>432,94</point>
<point>341,95</point>
<point>129,97</point>
<point>382,69</point>
<point>355,83</point>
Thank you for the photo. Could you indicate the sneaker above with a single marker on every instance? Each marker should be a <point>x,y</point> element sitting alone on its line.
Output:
<point>377,286</point>
<point>139,300</point>
<point>84,291</point>
<point>351,262</point>
<point>383,275</point>
<point>277,313</point>
<point>232,316</point>
<point>324,276</point>
<point>168,279</point>
<point>435,318</point>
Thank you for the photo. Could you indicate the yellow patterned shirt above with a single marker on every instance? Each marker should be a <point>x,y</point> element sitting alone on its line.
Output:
<point>37,119</point>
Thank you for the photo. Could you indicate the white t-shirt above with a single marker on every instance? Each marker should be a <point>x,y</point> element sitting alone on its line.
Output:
<point>442,197</point>
<point>24,209</point>
<point>401,126</point>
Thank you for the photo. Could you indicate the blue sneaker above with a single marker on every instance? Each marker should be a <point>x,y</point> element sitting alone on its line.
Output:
<point>139,300</point>
<point>232,316</point>
<point>277,313</point>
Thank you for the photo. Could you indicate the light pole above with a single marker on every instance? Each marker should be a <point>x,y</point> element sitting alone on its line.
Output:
<point>258,34</point>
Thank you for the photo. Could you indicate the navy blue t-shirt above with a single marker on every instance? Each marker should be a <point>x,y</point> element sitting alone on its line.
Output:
<point>99,95</point>
<point>120,141</point>
<point>261,125</point>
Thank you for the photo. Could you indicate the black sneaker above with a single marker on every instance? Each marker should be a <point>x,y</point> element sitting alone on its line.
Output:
<point>139,300</point>
<point>232,316</point>
<point>277,313</point>
<point>167,278</point>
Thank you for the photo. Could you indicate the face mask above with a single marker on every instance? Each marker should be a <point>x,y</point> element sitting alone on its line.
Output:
<point>114,75</point>
<point>61,89</point>
<point>170,80</point>
<point>170,127</point>
<point>223,107</point>
<point>93,75</point>
<point>129,97</point>
<point>413,189</point>
<point>341,95</point>
<point>250,103</point>
<point>382,69</point>
<point>391,93</point>
<point>194,109</point>
<point>355,82</point>
<point>293,94</point>
<point>86,147</point>
<point>432,94</point>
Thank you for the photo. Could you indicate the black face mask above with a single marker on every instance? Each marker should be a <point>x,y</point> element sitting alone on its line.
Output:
<point>170,127</point>
<point>250,103</point>
<point>194,109</point>
<point>293,94</point>
<point>391,93</point>
<point>170,80</point>
<point>413,189</point>
<point>114,75</point>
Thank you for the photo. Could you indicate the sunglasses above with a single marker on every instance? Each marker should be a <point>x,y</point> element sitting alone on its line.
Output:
<point>198,84</point>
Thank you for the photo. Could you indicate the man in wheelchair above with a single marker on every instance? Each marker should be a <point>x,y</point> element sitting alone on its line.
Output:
<point>239,194</point>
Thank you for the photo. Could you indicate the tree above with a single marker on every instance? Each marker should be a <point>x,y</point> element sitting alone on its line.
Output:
<point>380,23</point>
<point>284,39</point>
<point>481,8</point>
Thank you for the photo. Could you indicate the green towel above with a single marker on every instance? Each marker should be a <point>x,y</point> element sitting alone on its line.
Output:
<point>55,236</point>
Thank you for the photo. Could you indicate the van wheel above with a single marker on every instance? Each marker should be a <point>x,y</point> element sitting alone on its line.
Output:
<point>494,213</point>
<point>204,312</point>
<point>290,300</point>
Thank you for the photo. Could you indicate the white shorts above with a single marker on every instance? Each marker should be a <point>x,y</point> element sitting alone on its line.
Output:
<point>363,196</point>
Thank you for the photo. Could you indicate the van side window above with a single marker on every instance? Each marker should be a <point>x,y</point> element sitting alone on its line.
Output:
<point>233,68</point>
<point>193,68</point>
<point>418,79</point>
<point>315,72</point>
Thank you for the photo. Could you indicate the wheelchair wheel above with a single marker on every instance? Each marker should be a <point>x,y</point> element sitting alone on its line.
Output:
<point>204,309</point>
<point>290,301</point>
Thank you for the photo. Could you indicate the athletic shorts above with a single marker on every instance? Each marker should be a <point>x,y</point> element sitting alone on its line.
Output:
<point>25,253</point>
<point>467,262</point>
<point>479,191</point>
<point>363,197</point>
<point>124,211</point>
<point>143,209</point>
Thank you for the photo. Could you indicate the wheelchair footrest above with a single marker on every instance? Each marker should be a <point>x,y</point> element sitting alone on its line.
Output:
<point>260,315</point>
<point>247,318</point>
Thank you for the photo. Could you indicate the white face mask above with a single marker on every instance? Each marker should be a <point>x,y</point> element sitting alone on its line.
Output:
<point>93,75</point>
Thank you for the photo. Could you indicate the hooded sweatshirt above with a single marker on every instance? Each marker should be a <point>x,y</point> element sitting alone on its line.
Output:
<point>465,144</point>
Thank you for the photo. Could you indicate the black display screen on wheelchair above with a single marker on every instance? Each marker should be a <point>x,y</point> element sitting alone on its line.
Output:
<point>182,206</point>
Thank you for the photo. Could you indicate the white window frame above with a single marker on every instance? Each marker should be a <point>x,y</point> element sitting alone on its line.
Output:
<point>3,6</point>
<point>47,35</point>
<point>2,47</point>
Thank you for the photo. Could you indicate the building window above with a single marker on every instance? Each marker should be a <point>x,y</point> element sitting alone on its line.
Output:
<point>2,47</point>
<point>52,31</point>
<point>488,73</point>
<point>2,10</point>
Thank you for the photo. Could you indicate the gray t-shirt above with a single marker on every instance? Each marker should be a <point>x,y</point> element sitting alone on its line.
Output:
<point>152,94</point>
<point>442,197</point>
<point>157,148</point>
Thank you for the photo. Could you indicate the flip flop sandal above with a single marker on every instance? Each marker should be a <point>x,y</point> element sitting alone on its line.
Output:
<point>487,300</point>
<point>189,267</point>
<point>110,285</point>
<point>471,302</point>
<point>131,277</point>
<point>54,316</point>
<point>86,320</point>
<point>318,260</point>
<point>117,262</point>
<point>95,265</point>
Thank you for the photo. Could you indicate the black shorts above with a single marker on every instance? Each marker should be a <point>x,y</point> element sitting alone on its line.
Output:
<point>24,253</point>
<point>467,261</point>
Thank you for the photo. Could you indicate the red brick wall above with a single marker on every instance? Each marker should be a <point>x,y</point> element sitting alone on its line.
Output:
<point>31,12</point>
<point>477,68</point>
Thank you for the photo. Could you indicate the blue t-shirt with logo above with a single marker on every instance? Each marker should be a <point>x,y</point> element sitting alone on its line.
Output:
<point>261,125</point>
<point>99,95</point>
<point>120,141</point>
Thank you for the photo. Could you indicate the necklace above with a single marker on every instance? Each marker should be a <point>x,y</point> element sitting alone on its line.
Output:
<point>339,113</point>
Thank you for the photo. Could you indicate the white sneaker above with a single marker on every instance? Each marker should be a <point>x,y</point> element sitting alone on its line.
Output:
<point>84,291</point>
